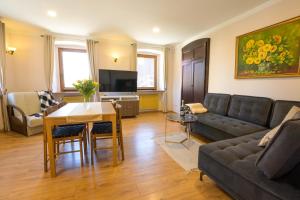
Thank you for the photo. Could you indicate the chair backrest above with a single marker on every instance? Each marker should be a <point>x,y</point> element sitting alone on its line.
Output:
<point>28,102</point>
<point>118,112</point>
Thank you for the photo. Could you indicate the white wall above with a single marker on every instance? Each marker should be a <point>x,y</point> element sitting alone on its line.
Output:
<point>109,48</point>
<point>222,55</point>
<point>25,69</point>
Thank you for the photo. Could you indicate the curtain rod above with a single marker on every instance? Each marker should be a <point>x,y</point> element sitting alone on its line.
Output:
<point>44,36</point>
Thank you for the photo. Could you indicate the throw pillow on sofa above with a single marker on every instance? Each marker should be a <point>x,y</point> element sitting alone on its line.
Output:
<point>282,154</point>
<point>196,108</point>
<point>46,100</point>
<point>292,114</point>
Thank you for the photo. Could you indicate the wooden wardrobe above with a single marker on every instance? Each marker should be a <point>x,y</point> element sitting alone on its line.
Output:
<point>195,65</point>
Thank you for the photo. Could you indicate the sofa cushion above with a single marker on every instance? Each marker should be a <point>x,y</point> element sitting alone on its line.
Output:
<point>231,126</point>
<point>67,130</point>
<point>283,152</point>
<point>104,127</point>
<point>209,132</point>
<point>231,163</point>
<point>27,101</point>
<point>34,121</point>
<point>217,103</point>
<point>280,109</point>
<point>251,109</point>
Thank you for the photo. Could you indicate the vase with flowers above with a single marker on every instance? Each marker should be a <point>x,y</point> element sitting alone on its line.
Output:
<point>86,88</point>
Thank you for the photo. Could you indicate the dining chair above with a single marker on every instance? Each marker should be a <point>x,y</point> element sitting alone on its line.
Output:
<point>103,131</point>
<point>63,134</point>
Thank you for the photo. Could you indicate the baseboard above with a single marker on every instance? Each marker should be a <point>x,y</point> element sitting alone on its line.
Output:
<point>149,110</point>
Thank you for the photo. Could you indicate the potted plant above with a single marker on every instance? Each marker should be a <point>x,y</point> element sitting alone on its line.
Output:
<point>87,88</point>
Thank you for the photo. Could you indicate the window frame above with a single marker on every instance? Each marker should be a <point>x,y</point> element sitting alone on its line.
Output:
<point>140,55</point>
<point>61,67</point>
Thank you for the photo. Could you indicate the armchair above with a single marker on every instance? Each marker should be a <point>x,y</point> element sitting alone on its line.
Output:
<point>21,109</point>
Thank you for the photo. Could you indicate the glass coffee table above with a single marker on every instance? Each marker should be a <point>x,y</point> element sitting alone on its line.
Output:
<point>185,120</point>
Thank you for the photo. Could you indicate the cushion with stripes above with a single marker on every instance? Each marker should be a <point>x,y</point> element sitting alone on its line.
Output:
<point>46,100</point>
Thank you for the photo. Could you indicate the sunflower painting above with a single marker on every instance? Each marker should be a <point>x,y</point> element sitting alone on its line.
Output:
<point>273,51</point>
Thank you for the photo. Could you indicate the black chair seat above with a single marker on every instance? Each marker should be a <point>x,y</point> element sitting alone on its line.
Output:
<point>67,131</point>
<point>103,128</point>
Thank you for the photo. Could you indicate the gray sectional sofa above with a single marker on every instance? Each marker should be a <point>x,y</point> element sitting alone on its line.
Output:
<point>237,123</point>
<point>232,116</point>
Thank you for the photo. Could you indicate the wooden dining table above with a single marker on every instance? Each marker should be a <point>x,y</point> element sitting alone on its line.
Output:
<point>74,113</point>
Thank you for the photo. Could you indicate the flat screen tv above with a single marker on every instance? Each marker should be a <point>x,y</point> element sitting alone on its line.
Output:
<point>117,81</point>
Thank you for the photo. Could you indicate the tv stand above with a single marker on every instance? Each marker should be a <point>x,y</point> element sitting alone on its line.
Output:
<point>129,103</point>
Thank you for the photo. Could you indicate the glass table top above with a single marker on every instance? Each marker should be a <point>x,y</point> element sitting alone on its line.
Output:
<point>187,118</point>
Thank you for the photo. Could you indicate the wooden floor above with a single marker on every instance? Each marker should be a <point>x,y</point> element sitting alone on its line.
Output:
<point>147,172</point>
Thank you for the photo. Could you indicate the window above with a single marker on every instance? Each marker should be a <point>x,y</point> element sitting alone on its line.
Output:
<point>146,68</point>
<point>73,66</point>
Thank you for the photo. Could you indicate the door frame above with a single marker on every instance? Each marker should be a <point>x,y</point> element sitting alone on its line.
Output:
<point>190,48</point>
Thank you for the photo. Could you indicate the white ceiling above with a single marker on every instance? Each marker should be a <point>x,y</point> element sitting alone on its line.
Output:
<point>177,19</point>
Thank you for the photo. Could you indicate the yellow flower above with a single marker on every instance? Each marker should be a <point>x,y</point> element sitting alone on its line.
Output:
<point>280,49</point>
<point>260,49</point>
<point>267,47</point>
<point>250,44</point>
<point>260,43</point>
<point>273,48</point>
<point>249,61</point>
<point>262,55</point>
<point>283,54</point>
<point>257,60</point>
<point>277,38</point>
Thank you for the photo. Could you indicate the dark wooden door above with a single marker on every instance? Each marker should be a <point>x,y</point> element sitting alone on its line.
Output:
<point>199,80</point>
<point>187,82</point>
<point>195,58</point>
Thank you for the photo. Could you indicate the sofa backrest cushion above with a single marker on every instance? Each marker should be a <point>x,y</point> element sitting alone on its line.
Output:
<point>251,109</point>
<point>217,103</point>
<point>27,101</point>
<point>280,110</point>
<point>283,152</point>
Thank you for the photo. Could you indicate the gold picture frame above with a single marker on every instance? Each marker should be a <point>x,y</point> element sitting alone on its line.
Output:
<point>269,52</point>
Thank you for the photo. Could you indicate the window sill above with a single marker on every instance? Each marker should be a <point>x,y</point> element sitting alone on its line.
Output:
<point>68,93</point>
<point>150,91</point>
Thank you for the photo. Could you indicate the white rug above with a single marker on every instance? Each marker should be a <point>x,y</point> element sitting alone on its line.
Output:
<point>186,154</point>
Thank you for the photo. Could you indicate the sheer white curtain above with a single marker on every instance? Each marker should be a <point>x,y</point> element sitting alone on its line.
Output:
<point>49,60</point>
<point>92,55</point>
<point>3,97</point>
<point>133,59</point>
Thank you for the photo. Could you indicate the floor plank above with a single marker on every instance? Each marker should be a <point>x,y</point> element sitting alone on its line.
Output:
<point>147,172</point>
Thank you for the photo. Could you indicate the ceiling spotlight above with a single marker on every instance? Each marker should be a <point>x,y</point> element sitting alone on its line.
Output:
<point>51,13</point>
<point>156,30</point>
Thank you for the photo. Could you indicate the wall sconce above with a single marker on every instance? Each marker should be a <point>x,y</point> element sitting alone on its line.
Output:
<point>11,50</point>
<point>115,57</point>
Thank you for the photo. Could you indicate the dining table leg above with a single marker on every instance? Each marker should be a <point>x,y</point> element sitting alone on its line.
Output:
<point>90,136</point>
<point>114,134</point>
<point>51,150</point>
